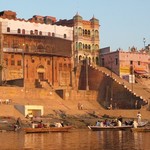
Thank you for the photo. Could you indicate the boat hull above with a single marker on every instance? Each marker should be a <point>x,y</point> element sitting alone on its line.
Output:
<point>49,129</point>
<point>109,128</point>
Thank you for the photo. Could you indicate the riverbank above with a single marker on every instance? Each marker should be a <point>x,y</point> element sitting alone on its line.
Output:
<point>78,121</point>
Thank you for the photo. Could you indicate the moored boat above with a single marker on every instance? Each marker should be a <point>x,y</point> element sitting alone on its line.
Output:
<point>47,129</point>
<point>115,128</point>
<point>142,124</point>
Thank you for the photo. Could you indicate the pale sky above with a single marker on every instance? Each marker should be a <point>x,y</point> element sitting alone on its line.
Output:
<point>123,23</point>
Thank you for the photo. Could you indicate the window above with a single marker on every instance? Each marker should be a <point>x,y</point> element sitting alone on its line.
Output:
<point>131,62</point>
<point>53,34</point>
<point>139,63</point>
<point>65,36</point>
<point>12,56</point>
<point>8,29</point>
<point>31,32</point>
<point>116,61</point>
<point>19,62</point>
<point>103,62</point>
<point>32,60</point>
<point>23,31</point>
<point>36,32</point>
<point>49,34</point>
<point>12,62</point>
<point>40,33</point>
<point>19,31</point>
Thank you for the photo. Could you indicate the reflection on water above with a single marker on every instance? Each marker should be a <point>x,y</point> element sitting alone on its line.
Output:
<point>76,140</point>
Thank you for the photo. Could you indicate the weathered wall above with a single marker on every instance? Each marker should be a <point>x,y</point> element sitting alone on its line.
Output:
<point>108,88</point>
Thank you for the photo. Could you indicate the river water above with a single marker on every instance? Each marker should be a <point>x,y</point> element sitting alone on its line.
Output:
<point>75,140</point>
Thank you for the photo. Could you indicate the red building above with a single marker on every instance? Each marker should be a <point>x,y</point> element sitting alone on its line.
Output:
<point>33,51</point>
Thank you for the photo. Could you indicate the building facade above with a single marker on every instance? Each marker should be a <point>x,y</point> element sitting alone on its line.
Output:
<point>125,63</point>
<point>85,38</point>
<point>34,50</point>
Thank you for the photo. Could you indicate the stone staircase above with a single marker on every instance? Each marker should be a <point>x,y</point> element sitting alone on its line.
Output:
<point>138,89</point>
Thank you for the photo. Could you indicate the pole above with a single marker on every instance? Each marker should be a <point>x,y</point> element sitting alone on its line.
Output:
<point>87,82</point>
<point>23,66</point>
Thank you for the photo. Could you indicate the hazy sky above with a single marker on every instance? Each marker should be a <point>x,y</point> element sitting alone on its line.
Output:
<point>123,23</point>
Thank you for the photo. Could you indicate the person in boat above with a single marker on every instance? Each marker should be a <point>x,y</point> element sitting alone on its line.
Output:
<point>114,122</point>
<point>106,123</point>
<point>62,123</point>
<point>17,125</point>
<point>98,123</point>
<point>139,116</point>
<point>135,124</point>
<point>120,118</point>
<point>58,124</point>
<point>119,123</point>
<point>129,122</point>
<point>40,125</point>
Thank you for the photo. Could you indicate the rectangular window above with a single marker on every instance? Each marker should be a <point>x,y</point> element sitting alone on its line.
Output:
<point>139,63</point>
<point>7,62</point>
<point>116,61</point>
<point>131,62</point>
<point>103,63</point>
<point>19,62</point>
<point>12,62</point>
<point>8,29</point>
<point>12,56</point>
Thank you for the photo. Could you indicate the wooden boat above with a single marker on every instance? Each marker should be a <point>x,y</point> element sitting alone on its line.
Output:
<point>112,128</point>
<point>140,129</point>
<point>48,129</point>
<point>142,124</point>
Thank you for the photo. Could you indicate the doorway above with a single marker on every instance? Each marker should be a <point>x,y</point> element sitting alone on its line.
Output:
<point>41,76</point>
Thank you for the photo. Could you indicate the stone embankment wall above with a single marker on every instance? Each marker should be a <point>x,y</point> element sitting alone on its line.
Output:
<point>108,87</point>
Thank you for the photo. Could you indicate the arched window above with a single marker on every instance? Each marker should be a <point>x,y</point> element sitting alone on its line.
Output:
<point>86,32</point>
<point>80,57</point>
<point>89,32</point>
<point>19,31</point>
<point>92,33</point>
<point>97,61</point>
<point>83,32</point>
<point>31,32</point>
<point>40,48</point>
<point>8,29</point>
<point>80,31</point>
<point>96,33</point>
<point>89,60</point>
<point>48,48</point>
<point>85,46</point>
<point>93,60</point>
<point>65,36</point>
<point>23,31</point>
<point>49,34</point>
<point>40,33</point>
<point>89,47</point>
<point>33,48</point>
<point>53,34</point>
<point>36,32</point>
<point>96,47</point>
<point>80,46</point>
